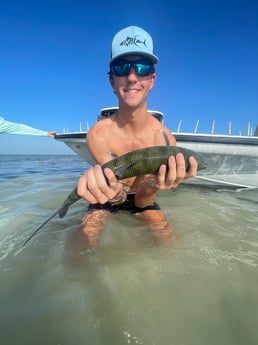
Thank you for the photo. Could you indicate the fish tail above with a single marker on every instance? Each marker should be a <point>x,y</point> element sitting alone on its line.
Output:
<point>71,199</point>
<point>62,211</point>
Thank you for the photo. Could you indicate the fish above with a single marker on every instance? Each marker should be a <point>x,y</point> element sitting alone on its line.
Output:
<point>135,163</point>
<point>148,161</point>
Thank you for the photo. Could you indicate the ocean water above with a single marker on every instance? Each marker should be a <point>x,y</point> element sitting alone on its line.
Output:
<point>129,290</point>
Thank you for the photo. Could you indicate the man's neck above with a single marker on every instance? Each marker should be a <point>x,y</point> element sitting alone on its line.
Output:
<point>134,118</point>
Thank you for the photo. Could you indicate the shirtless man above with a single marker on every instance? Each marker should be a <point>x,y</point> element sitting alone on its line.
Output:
<point>132,76</point>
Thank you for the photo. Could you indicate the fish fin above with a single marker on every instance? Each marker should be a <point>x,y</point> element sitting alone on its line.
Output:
<point>62,211</point>
<point>120,171</point>
<point>71,199</point>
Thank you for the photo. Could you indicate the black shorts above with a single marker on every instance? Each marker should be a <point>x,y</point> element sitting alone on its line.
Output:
<point>128,205</point>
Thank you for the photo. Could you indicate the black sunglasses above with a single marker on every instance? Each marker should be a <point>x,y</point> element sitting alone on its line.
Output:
<point>122,68</point>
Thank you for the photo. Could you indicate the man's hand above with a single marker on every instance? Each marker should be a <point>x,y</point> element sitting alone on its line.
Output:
<point>98,187</point>
<point>176,173</point>
<point>51,134</point>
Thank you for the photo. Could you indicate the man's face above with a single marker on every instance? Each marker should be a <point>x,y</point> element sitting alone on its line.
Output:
<point>132,89</point>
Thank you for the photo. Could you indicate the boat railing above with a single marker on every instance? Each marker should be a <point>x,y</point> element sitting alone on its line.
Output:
<point>249,130</point>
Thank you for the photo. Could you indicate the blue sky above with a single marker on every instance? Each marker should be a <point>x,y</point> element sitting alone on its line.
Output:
<point>54,62</point>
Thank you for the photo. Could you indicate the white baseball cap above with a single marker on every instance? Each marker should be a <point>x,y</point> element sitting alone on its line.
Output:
<point>132,40</point>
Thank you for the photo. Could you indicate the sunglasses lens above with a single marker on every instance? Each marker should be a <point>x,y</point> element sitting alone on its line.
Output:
<point>142,69</point>
<point>123,68</point>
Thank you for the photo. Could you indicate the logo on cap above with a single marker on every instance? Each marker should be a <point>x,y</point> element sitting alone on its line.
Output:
<point>133,41</point>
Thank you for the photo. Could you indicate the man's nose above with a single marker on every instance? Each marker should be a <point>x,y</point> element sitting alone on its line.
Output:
<point>132,74</point>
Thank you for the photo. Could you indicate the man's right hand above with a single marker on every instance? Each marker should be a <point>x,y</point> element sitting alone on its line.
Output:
<point>97,187</point>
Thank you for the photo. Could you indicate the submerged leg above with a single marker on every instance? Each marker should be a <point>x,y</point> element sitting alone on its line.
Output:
<point>86,237</point>
<point>92,225</point>
<point>158,225</point>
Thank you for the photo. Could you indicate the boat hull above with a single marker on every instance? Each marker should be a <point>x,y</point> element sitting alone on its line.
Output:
<point>232,160</point>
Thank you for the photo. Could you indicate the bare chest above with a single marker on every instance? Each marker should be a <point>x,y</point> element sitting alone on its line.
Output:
<point>123,144</point>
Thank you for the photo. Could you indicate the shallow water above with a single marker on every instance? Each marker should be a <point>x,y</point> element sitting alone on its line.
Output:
<point>129,290</point>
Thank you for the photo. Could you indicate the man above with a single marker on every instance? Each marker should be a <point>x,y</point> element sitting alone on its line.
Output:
<point>132,76</point>
<point>8,127</point>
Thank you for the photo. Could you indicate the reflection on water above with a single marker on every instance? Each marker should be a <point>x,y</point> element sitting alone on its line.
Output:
<point>129,290</point>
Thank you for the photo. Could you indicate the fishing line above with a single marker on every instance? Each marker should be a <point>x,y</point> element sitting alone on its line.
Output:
<point>41,226</point>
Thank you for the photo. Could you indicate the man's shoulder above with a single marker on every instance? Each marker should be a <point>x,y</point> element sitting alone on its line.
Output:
<point>101,129</point>
<point>103,123</point>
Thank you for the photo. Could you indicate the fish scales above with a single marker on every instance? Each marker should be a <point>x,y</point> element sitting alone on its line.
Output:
<point>148,160</point>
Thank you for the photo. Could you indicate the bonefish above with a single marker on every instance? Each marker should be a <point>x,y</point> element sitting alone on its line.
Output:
<point>139,162</point>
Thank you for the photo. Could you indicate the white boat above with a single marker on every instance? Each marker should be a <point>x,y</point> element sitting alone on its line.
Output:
<point>232,159</point>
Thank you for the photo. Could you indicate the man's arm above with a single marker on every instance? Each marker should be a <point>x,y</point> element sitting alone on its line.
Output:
<point>8,127</point>
<point>96,186</point>
<point>166,178</point>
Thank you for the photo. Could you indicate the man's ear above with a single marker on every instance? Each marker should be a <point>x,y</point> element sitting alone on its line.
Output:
<point>111,80</point>
<point>153,80</point>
